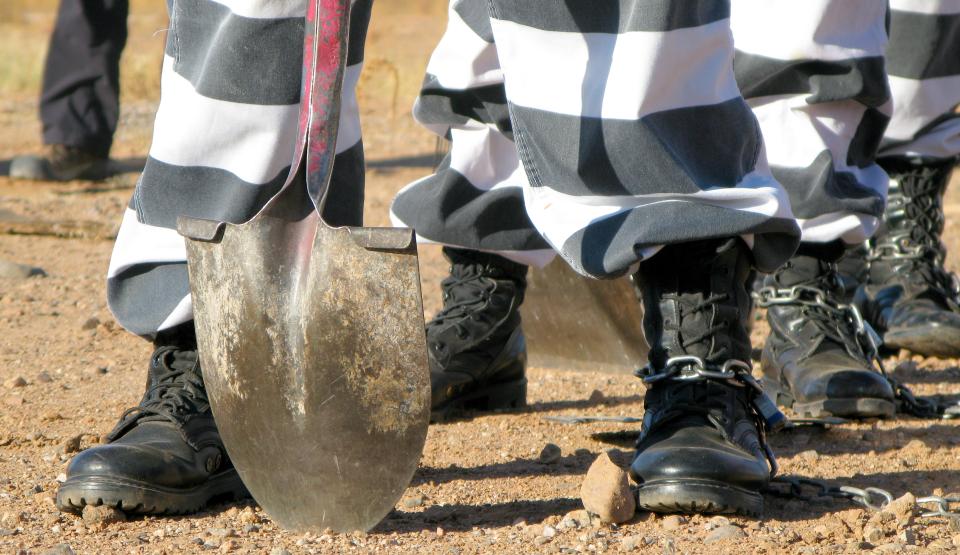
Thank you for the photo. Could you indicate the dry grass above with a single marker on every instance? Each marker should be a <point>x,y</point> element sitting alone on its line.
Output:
<point>25,27</point>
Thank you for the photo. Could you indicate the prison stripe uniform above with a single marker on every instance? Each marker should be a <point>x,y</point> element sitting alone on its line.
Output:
<point>629,124</point>
<point>923,61</point>
<point>813,72</point>
<point>223,143</point>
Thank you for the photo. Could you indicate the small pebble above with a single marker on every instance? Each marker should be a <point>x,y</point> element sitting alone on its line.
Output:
<point>549,454</point>
<point>90,324</point>
<point>606,491</point>
<point>60,549</point>
<point>549,531</point>
<point>102,515</point>
<point>15,382</point>
<point>725,532</point>
<point>12,270</point>
<point>672,523</point>
<point>413,502</point>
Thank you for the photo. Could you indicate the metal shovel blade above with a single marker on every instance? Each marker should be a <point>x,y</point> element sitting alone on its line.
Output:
<point>575,323</point>
<point>314,359</point>
<point>311,338</point>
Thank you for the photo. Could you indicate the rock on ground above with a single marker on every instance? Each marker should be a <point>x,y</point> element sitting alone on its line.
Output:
<point>606,491</point>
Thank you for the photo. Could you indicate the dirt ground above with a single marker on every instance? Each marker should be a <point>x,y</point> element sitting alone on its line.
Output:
<point>67,371</point>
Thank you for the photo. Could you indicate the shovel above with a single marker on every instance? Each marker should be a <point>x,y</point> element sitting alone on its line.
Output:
<point>580,324</point>
<point>311,338</point>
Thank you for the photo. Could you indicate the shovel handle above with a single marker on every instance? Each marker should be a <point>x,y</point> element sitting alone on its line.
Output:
<point>325,60</point>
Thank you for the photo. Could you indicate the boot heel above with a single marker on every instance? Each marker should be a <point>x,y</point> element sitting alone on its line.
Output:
<point>498,396</point>
<point>501,396</point>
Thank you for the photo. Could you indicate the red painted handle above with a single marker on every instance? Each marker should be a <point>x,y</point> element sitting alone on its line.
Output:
<point>324,62</point>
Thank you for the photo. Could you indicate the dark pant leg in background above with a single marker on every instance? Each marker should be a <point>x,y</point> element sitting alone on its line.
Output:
<point>80,103</point>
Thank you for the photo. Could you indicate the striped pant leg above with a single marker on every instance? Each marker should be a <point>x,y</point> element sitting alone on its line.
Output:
<point>223,143</point>
<point>474,200</point>
<point>632,130</point>
<point>813,72</point>
<point>923,60</point>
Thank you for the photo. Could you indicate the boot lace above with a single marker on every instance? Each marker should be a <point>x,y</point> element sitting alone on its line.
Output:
<point>717,352</point>
<point>912,242</point>
<point>465,292</point>
<point>177,391</point>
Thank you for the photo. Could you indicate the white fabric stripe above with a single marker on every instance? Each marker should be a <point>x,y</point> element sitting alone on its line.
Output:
<point>266,9</point>
<point>486,158</point>
<point>851,228</point>
<point>535,257</point>
<point>943,141</point>
<point>919,102</point>
<point>795,133</point>
<point>139,243</point>
<point>252,142</point>
<point>459,44</point>
<point>558,216</point>
<point>828,30</point>
<point>932,7</point>
<point>626,76</point>
<point>181,314</point>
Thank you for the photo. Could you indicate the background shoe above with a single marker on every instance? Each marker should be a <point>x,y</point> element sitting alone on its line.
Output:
<point>702,446</point>
<point>816,360</point>
<point>908,295</point>
<point>61,163</point>
<point>477,351</point>
<point>164,456</point>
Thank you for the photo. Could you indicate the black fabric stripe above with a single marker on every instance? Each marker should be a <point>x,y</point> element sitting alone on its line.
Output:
<point>819,189</point>
<point>663,152</point>
<point>439,105</point>
<point>166,191</point>
<point>612,16</point>
<point>608,248</point>
<point>860,79</point>
<point>923,46</point>
<point>447,208</point>
<point>247,60</point>
<point>863,148</point>
<point>474,13</point>
<point>143,296</point>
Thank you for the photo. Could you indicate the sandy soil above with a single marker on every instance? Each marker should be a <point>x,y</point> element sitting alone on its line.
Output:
<point>480,487</point>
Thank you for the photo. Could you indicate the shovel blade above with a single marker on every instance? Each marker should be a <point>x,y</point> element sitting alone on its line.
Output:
<point>312,345</point>
<point>575,323</point>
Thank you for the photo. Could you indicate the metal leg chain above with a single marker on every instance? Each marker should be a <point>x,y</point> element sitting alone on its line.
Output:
<point>868,340</point>
<point>874,499</point>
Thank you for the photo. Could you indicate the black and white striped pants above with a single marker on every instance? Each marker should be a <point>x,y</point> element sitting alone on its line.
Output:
<point>626,115</point>
<point>812,71</point>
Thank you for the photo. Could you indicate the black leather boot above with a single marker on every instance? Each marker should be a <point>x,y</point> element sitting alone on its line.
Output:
<point>702,448</point>
<point>819,359</point>
<point>165,455</point>
<point>477,352</point>
<point>908,296</point>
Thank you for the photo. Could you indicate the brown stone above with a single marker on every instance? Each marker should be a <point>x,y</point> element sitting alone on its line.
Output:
<point>606,491</point>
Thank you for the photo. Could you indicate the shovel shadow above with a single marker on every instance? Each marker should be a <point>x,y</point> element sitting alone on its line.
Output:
<point>462,518</point>
<point>842,440</point>
<point>576,464</point>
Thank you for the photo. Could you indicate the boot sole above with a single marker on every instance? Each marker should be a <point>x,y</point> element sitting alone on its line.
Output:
<point>134,497</point>
<point>841,408</point>
<point>699,497</point>
<point>937,342</point>
<point>499,396</point>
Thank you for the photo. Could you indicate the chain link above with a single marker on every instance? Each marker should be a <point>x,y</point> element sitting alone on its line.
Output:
<point>874,499</point>
<point>866,338</point>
